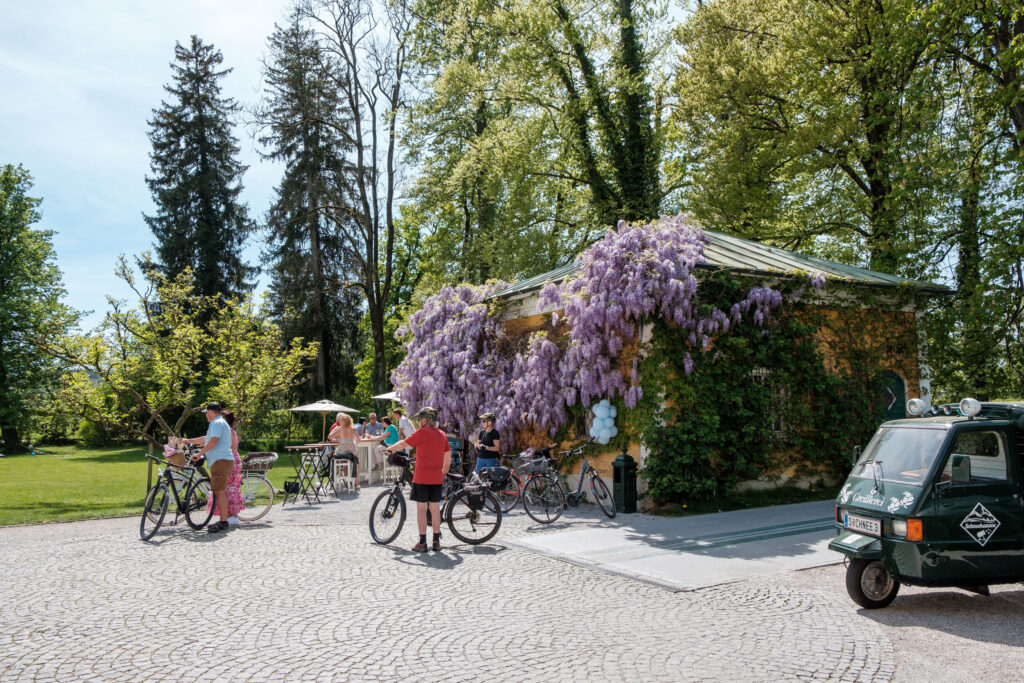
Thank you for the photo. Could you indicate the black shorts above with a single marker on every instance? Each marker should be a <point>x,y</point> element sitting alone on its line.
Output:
<point>426,493</point>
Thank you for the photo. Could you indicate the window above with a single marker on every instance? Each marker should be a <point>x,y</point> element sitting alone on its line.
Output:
<point>987,451</point>
<point>779,402</point>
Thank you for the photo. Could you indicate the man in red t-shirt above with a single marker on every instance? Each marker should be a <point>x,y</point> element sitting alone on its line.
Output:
<point>433,457</point>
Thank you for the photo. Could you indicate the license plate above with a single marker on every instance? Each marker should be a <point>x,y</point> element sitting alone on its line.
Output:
<point>864,525</point>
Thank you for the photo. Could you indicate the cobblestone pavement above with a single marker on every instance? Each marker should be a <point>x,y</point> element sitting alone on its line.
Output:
<point>307,596</point>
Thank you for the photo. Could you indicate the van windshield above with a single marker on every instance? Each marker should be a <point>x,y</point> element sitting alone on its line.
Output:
<point>901,454</point>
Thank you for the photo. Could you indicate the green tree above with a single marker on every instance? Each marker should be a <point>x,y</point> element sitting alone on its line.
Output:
<point>540,129</point>
<point>196,178</point>
<point>303,123</point>
<point>147,358</point>
<point>808,122</point>
<point>30,306</point>
<point>251,361</point>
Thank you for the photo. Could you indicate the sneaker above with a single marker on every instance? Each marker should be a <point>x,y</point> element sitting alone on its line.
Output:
<point>437,545</point>
<point>420,548</point>
<point>233,521</point>
<point>217,527</point>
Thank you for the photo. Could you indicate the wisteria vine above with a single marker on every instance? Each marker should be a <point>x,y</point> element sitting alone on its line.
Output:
<point>459,360</point>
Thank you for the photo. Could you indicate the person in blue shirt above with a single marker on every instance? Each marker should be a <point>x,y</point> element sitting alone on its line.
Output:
<point>216,446</point>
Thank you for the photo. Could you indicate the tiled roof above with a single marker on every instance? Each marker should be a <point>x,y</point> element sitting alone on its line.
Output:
<point>735,253</point>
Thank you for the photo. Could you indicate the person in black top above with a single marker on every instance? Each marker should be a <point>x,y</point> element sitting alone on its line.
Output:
<point>489,446</point>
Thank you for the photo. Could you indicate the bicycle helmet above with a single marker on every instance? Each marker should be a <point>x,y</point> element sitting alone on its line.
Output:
<point>426,412</point>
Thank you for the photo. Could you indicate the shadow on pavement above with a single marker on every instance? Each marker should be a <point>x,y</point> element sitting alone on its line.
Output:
<point>998,618</point>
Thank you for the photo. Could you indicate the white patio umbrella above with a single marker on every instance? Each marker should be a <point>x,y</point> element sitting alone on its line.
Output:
<point>323,406</point>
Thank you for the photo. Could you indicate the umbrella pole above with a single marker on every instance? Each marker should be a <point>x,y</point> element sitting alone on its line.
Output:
<point>323,427</point>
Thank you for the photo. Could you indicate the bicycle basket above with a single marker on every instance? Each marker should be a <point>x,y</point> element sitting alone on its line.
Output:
<point>259,462</point>
<point>536,466</point>
<point>496,476</point>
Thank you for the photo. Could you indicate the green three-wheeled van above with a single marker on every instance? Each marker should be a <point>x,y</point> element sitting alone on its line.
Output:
<point>935,500</point>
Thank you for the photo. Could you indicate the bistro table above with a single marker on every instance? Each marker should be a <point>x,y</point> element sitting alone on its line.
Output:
<point>307,470</point>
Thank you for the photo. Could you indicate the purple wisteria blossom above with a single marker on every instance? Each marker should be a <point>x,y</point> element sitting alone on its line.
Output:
<point>459,360</point>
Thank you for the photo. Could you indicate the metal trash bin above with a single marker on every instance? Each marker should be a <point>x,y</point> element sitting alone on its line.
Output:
<point>624,483</point>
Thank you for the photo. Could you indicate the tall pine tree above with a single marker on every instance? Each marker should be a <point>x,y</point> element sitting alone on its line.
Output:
<point>30,306</point>
<point>196,179</point>
<point>303,123</point>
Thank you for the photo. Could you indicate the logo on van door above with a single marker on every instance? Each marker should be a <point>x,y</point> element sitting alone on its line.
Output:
<point>980,524</point>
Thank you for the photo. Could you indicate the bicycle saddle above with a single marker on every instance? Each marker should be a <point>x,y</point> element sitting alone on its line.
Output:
<point>456,477</point>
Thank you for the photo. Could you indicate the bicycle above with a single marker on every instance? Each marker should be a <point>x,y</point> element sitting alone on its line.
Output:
<point>257,491</point>
<point>543,495</point>
<point>471,511</point>
<point>599,490</point>
<point>193,505</point>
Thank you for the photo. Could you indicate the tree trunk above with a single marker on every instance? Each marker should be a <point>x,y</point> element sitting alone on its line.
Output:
<point>12,439</point>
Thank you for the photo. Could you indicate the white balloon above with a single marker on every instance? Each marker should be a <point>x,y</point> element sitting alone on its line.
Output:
<point>605,402</point>
<point>603,441</point>
<point>609,422</point>
<point>604,435</point>
<point>612,411</point>
<point>594,431</point>
<point>615,431</point>
<point>601,411</point>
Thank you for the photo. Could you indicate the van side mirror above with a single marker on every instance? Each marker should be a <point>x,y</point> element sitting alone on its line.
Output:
<point>961,469</point>
<point>856,454</point>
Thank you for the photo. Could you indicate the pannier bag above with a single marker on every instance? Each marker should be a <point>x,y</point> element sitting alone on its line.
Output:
<point>475,498</point>
<point>498,477</point>
<point>398,459</point>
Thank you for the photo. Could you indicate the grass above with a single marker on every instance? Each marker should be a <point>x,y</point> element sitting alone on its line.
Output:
<point>69,482</point>
<point>784,495</point>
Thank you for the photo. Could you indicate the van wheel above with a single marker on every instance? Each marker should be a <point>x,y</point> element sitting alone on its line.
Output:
<point>870,584</point>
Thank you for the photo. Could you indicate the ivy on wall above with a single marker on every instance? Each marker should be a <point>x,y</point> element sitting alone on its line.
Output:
<point>763,399</point>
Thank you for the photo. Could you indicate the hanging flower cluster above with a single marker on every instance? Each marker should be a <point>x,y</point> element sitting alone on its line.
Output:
<point>458,359</point>
<point>451,356</point>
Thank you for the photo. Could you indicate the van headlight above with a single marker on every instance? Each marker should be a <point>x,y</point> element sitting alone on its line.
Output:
<point>916,407</point>
<point>969,407</point>
<point>910,529</point>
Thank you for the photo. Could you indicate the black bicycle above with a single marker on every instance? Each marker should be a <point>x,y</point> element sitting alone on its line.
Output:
<point>470,510</point>
<point>598,489</point>
<point>193,505</point>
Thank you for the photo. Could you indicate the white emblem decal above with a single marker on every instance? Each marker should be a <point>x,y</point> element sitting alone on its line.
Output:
<point>980,524</point>
<point>844,495</point>
<point>896,503</point>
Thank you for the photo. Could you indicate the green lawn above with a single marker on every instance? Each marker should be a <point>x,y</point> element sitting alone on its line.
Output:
<point>69,482</point>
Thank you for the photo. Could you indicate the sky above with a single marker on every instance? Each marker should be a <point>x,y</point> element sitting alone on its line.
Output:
<point>78,82</point>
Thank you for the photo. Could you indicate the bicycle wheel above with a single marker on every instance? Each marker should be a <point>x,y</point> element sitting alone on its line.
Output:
<point>258,496</point>
<point>602,495</point>
<point>387,516</point>
<point>153,513</point>
<point>198,510</point>
<point>543,499</point>
<point>473,526</point>
<point>511,493</point>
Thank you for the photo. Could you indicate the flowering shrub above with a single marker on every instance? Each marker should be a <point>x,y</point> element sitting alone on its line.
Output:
<point>458,359</point>
<point>451,356</point>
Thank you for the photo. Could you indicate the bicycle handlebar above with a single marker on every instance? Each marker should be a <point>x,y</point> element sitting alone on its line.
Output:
<point>579,449</point>
<point>168,463</point>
